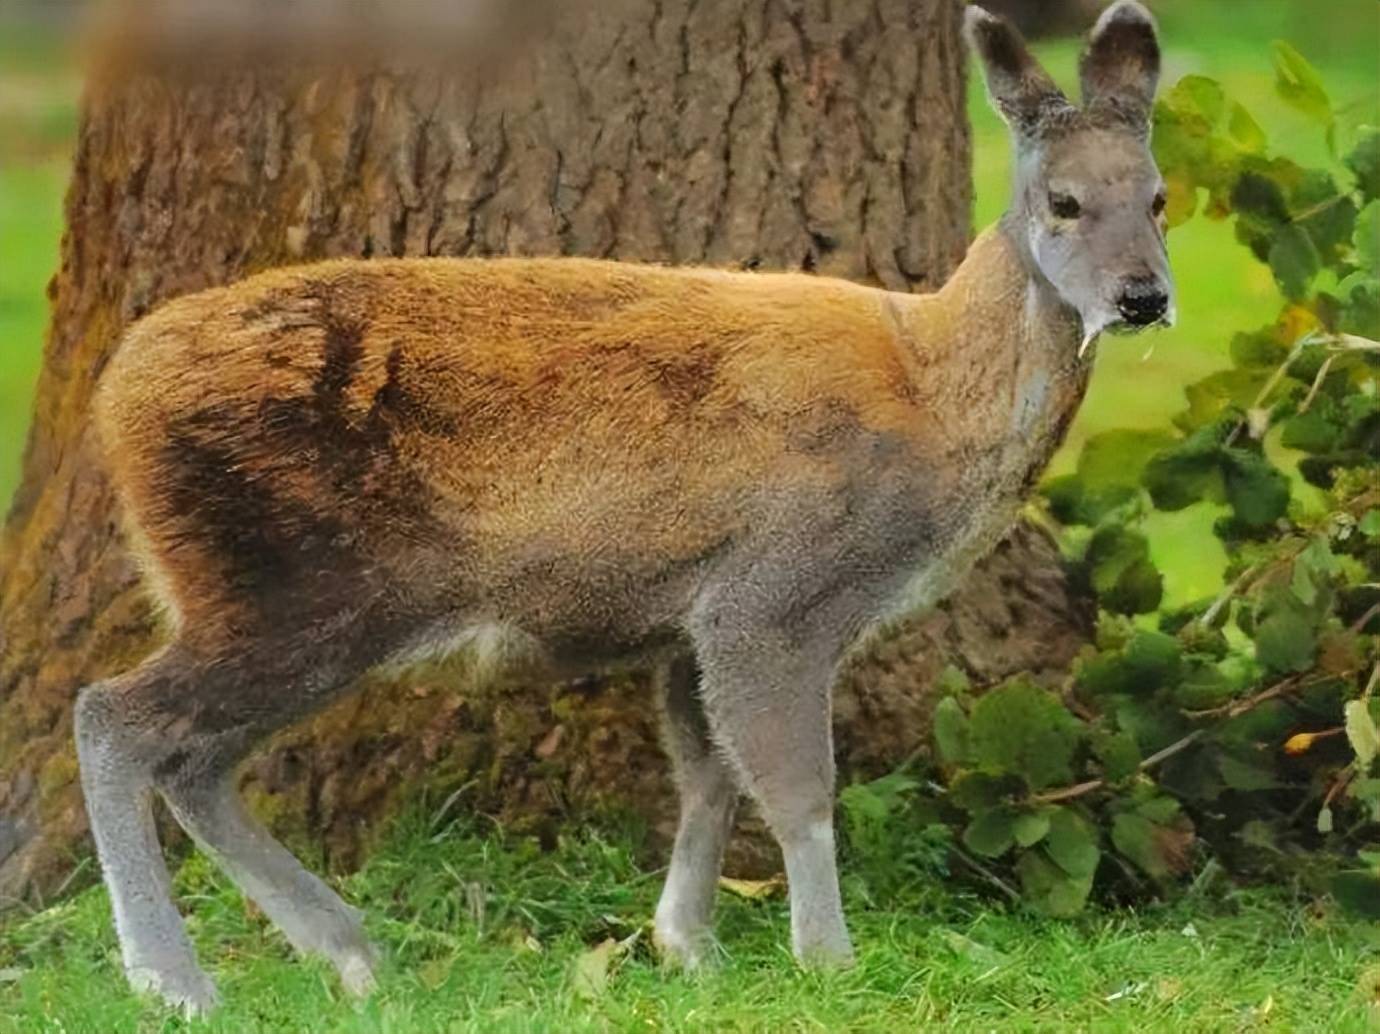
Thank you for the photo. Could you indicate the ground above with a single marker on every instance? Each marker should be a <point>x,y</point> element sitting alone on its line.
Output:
<point>490,935</point>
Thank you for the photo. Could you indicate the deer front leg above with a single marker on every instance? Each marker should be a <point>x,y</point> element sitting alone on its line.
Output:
<point>766,695</point>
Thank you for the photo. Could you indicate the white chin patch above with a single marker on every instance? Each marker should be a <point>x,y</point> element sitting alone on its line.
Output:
<point>1093,326</point>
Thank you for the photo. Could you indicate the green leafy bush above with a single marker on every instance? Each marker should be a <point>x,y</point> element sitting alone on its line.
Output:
<point>1243,727</point>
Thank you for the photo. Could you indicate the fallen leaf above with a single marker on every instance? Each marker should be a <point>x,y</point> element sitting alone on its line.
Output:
<point>433,973</point>
<point>754,890</point>
<point>551,742</point>
<point>975,951</point>
<point>589,976</point>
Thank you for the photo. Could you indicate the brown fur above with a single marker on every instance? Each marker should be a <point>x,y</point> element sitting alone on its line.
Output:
<point>464,430</point>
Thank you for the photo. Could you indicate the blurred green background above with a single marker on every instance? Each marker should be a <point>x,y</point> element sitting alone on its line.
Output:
<point>1221,289</point>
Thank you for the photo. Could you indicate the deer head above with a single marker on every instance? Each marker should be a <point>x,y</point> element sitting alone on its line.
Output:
<point>1088,202</point>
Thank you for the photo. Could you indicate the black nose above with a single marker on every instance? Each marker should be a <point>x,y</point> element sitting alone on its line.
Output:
<point>1142,302</point>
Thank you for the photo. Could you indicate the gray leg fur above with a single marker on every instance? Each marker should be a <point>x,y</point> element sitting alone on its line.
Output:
<point>117,783</point>
<point>164,727</point>
<point>708,797</point>
<point>766,695</point>
<point>310,914</point>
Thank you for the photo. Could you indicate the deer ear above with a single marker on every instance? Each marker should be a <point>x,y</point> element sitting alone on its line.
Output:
<point>1121,65</point>
<point>1021,91</point>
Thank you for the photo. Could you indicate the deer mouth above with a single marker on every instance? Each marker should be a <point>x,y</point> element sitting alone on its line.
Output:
<point>1122,328</point>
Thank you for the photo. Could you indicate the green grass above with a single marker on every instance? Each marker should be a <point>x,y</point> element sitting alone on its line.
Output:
<point>30,228</point>
<point>932,956</point>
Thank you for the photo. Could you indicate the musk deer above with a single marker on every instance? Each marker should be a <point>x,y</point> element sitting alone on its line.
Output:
<point>730,475</point>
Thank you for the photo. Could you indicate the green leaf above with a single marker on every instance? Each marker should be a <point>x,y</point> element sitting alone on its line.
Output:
<point>1246,773</point>
<point>1260,197</point>
<point>1299,84</point>
<point>1206,95</point>
<point>1364,162</point>
<point>1116,458</point>
<point>1154,659</point>
<point>1358,892</point>
<point>1155,849</point>
<point>1049,888</point>
<point>1294,260</point>
<point>1203,686</point>
<point>1153,723</point>
<point>1181,478</point>
<point>1021,728</point>
<point>1245,130</point>
<point>1257,491</point>
<point>1258,348</point>
<point>1285,642</point>
<point>1312,570</point>
<point>953,681</point>
<point>1119,755</point>
<point>951,731</point>
<point>1310,432</point>
<point>1121,572</point>
<point>1030,827</point>
<point>991,833</point>
<point>1361,733</point>
<point>1139,590</point>
<point>976,791</point>
<point>1072,843</point>
<point>1212,399</point>
<point>1301,585</point>
<point>1366,237</point>
<point>1326,214</point>
<point>1071,501</point>
<point>1369,524</point>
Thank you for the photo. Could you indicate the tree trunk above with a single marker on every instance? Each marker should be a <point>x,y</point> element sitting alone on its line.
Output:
<point>780,133</point>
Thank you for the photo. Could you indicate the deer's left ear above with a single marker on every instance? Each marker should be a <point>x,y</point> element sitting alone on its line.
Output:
<point>1121,65</point>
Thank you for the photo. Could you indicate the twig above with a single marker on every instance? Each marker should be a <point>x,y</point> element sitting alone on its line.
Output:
<point>986,873</point>
<point>1343,777</point>
<point>1364,619</point>
<point>1172,749</point>
<point>1207,617</point>
<point>1239,707</point>
<point>1233,710</point>
<point>1370,684</point>
<point>1269,385</point>
<point>1075,705</point>
<point>1067,793</point>
<point>1337,342</point>
<point>1317,383</point>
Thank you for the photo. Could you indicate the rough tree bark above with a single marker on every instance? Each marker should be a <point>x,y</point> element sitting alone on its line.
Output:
<point>780,133</point>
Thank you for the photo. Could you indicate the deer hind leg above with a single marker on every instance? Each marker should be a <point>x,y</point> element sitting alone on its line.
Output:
<point>311,915</point>
<point>178,725</point>
<point>766,695</point>
<point>708,797</point>
<point>117,747</point>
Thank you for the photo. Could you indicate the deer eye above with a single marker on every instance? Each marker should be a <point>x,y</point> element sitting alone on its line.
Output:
<point>1157,206</point>
<point>1064,206</point>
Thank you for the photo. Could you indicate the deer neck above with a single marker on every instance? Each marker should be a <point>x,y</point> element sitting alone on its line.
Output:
<point>997,351</point>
